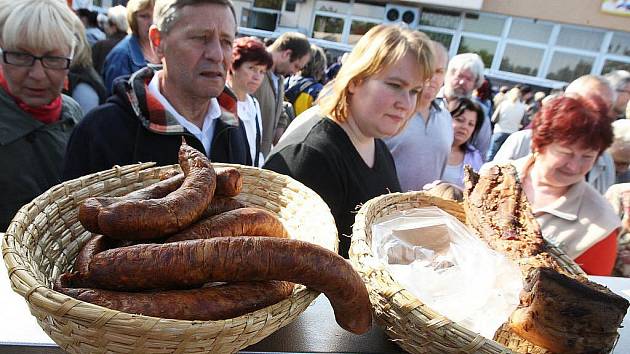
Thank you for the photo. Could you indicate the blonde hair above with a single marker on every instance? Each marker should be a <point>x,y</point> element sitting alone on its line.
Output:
<point>42,24</point>
<point>117,16</point>
<point>133,7</point>
<point>381,47</point>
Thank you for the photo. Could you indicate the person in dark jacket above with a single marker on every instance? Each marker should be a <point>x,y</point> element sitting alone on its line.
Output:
<point>152,110</point>
<point>302,89</point>
<point>84,83</point>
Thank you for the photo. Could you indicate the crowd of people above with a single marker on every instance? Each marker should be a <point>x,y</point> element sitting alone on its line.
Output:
<point>395,114</point>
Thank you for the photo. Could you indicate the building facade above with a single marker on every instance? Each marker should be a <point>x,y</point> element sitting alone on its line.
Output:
<point>544,43</point>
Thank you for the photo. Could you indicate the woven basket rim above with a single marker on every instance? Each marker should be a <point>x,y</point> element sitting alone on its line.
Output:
<point>361,257</point>
<point>26,285</point>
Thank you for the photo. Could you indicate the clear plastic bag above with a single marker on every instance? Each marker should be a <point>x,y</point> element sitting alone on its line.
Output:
<point>437,258</point>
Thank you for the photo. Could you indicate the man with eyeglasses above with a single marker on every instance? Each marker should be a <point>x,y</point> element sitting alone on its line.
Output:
<point>464,74</point>
<point>37,119</point>
<point>151,111</point>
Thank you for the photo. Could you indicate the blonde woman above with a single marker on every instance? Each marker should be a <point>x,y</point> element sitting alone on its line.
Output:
<point>342,157</point>
<point>134,52</point>
<point>38,42</point>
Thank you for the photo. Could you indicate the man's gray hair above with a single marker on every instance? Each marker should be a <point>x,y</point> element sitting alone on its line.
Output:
<point>589,85</point>
<point>618,79</point>
<point>468,61</point>
<point>167,12</point>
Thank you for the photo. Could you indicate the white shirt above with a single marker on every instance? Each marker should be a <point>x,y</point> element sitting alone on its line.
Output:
<point>274,79</point>
<point>206,133</point>
<point>249,113</point>
<point>510,116</point>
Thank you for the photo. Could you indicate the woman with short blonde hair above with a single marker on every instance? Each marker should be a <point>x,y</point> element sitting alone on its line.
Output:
<point>38,42</point>
<point>378,48</point>
<point>342,157</point>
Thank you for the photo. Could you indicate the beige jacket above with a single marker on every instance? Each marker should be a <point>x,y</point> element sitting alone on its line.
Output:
<point>576,221</point>
<point>270,109</point>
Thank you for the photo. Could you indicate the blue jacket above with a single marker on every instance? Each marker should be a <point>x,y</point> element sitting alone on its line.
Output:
<point>124,59</point>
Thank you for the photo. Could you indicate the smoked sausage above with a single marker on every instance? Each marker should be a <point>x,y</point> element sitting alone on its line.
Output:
<point>91,207</point>
<point>189,264</point>
<point>229,182</point>
<point>95,245</point>
<point>239,222</point>
<point>154,218</point>
<point>217,302</point>
<point>220,205</point>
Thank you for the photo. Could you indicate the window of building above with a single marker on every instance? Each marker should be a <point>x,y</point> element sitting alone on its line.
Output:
<point>568,66</point>
<point>612,65</point>
<point>530,30</point>
<point>337,7</point>
<point>344,22</point>
<point>268,4</point>
<point>439,18</point>
<point>290,5</point>
<point>261,20</point>
<point>328,28</point>
<point>263,15</point>
<point>444,38</point>
<point>358,29</point>
<point>620,44</point>
<point>580,38</point>
<point>484,24</point>
<point>521,59</point>
<point>485,48</point>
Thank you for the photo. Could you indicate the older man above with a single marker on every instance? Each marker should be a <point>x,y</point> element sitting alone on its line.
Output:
<point>152,110</point>
<point>620,82</point>
<point>290,52</point>
<point>602,175</point>
<point>463,75</point>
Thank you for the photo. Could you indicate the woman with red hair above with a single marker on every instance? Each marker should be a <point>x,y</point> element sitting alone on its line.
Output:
<point>251,62</point>
<point>568,135</point>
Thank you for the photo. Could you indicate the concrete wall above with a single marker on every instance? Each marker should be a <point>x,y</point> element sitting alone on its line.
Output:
<point>579,12</point>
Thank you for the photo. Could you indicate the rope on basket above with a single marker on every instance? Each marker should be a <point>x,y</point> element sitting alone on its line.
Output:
<point>66,307</point>
<point>103,319</point>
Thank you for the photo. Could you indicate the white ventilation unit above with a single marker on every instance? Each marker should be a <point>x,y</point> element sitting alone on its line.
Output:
<point>404,14</point>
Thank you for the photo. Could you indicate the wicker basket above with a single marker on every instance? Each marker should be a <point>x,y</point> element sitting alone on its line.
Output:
<point>45,236</point>
<point>410,323</point>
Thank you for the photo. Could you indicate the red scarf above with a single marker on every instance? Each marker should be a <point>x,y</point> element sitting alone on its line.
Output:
<point>46,114</point>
